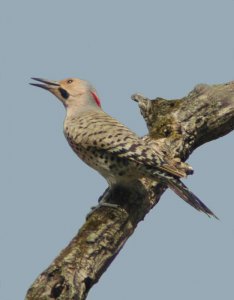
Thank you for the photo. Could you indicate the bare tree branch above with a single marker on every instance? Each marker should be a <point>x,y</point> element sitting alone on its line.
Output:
<point>177,127</point>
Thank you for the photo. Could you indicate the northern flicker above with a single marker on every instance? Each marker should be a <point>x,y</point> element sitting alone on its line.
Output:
<point>109,147</point>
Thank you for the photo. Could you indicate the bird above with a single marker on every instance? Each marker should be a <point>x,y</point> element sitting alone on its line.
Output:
<point>109,147</point>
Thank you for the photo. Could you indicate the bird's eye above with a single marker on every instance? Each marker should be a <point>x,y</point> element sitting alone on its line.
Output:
<point>69,81</point>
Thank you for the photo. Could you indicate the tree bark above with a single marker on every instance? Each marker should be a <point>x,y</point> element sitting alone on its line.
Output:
<point>176,127</point>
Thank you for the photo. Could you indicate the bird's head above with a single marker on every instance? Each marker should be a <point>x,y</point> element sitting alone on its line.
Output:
<point>72,92</point>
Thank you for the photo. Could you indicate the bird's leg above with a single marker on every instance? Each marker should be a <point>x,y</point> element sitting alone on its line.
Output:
<point>102,201</point>
<point>105,196</point>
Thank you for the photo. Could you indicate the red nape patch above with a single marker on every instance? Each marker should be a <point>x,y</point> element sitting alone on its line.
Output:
<point>95,97</point>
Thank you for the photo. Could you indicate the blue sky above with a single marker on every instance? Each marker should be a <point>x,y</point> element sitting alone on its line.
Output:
<point>157,48</point>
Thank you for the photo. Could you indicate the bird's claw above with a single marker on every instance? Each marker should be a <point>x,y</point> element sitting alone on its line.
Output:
<point>101,204</point>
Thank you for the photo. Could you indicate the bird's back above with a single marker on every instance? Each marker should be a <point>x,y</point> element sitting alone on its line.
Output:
<point>112,149</point>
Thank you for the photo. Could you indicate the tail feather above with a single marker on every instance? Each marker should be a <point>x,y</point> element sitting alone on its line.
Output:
<point>182,191</point>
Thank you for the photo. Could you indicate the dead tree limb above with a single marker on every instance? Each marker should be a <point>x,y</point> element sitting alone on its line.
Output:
<point>177,127</point>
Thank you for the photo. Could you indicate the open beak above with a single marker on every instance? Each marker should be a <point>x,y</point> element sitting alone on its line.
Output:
<point>46,84</point>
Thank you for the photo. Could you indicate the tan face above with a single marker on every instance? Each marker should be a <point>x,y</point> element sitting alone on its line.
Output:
<point>73,86</point>
<point>65,88</point>
<point>69,90</point>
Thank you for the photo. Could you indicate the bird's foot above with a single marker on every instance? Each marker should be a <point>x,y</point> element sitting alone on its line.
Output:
<point>101,204</point>
<point>105,196</point>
